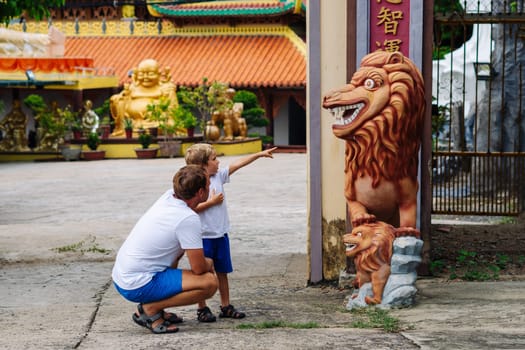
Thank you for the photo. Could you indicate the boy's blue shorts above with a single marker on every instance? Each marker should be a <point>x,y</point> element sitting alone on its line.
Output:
<point>162,286</point>
<point>218,249</point>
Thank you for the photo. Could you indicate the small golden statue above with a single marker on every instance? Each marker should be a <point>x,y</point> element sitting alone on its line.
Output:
<point>234,125</point>
<point>13,128</point>
<point>149,83</point>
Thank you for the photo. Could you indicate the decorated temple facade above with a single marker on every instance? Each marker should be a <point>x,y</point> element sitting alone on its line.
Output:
<point>249,45</point>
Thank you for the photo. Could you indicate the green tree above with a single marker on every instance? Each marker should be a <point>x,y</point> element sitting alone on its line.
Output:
<point>205,99</point>
<point>35,9</point>
<point>252,112</point>
<point>448,37</point>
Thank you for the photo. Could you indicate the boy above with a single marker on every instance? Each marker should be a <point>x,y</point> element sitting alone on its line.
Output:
<point>215,222</point>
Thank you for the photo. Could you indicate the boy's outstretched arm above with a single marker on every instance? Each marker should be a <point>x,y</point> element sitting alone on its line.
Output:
<point>239,163</point>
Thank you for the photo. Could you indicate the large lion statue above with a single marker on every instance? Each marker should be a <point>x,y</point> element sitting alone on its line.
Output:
<point>380,116</point>
<point>371,247</point>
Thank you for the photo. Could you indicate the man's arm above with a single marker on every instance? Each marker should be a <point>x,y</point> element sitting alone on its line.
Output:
<point>199,264</point>
<point>241,162</point>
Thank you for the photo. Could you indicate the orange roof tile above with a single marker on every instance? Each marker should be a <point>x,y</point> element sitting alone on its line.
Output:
<point>241,61</point>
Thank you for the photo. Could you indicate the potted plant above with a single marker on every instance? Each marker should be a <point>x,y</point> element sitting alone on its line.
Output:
<point>188,120</point>
<point>145,152</point>
<point>106,123</point>
<point>168,123</point>
<point>93,141</point>
<point>128,127</point>
<point>105,127</point>
<point>205,99</point>
<point>76,128</point>
<point>72,126</point>
<point>157,112</point>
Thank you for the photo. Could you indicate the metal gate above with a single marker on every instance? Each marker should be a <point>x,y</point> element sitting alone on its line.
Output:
<point>478,117</point>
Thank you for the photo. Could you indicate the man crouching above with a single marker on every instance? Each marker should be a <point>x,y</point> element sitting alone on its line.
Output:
<point>145,270</point>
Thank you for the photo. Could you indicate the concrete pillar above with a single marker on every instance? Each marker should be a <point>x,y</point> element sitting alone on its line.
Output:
<point>327,62</point>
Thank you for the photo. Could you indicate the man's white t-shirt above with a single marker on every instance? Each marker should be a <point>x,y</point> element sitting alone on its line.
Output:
<point>159,237</point>
<point>215,221</point>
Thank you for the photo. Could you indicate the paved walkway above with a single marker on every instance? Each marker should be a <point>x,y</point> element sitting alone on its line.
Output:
<point>62,222</point>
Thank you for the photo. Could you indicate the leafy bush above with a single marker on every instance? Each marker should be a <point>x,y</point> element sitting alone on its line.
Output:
<point>252,112</point>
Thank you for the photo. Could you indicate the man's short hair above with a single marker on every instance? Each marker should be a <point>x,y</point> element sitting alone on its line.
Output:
<point>189,180</point>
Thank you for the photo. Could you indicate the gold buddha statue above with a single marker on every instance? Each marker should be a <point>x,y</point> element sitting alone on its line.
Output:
<point>149,83</point>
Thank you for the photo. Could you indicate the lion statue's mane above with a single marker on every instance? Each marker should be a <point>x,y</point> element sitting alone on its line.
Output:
<point>381,160</point>
<point>377,255</point>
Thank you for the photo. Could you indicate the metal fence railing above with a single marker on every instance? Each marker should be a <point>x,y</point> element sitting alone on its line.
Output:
<point>478,117</point>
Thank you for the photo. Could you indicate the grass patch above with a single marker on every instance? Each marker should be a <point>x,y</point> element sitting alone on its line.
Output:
<point>86,246</point>
<point>471,267</point>
<point>278,324</point>
<point>508,220</point>
<point>373,317</point>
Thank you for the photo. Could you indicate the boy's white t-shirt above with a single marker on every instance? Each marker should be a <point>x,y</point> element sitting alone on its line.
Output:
<point>215,221</point>
<point>159,237</point>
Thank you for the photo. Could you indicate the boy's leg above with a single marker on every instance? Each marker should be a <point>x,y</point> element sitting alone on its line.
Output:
<point>224,288</point>
<point>204,314</point>
<point>227,310</point>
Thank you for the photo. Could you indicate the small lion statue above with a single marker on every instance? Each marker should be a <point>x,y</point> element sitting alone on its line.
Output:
<point>233,124</point>
<point>371,247</point>
<point>380,117</point>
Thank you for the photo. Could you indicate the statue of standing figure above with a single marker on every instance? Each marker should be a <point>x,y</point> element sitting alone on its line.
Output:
<point>149,84</point>
<point>90,119</point>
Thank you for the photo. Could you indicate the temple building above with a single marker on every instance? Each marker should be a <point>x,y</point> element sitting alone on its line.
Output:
<point>92,48</point>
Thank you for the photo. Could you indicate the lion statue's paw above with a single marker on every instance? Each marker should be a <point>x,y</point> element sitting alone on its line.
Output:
<point>372,301</point>
<point>363,218</point>
<point>407,231</point>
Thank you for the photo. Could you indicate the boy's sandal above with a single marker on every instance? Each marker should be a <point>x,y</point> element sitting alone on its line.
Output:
<point>205,315</point>
<point>230,312</point>
<point>168,316</point>
<point>147,321</point>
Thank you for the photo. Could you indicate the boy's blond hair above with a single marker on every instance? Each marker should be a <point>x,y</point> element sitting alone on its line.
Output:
<point>199,154</point>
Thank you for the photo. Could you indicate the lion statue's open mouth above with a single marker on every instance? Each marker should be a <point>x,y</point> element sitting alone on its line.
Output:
<point>349,247</point>
<point>344,115</point>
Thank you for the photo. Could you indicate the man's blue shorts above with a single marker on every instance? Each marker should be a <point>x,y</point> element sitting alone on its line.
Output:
<point>218,249</point>
<point>162,286</point>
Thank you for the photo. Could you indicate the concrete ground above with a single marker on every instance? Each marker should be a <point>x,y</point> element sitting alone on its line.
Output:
<point>61,224</point>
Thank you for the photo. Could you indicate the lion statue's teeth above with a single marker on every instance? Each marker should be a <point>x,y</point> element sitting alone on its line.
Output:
<point>338,112</point>
<point>349,246</point>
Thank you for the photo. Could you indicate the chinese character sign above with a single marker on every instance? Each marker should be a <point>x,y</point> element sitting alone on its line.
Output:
<point>390,25</point>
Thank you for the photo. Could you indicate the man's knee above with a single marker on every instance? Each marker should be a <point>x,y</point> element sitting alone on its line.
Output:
<point>210,283</point>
